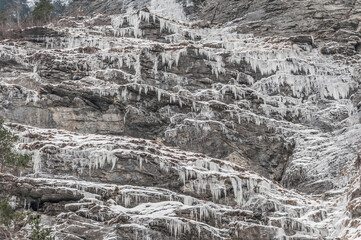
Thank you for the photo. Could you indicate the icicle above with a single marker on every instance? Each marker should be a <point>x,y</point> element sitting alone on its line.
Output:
<point>36,158</point>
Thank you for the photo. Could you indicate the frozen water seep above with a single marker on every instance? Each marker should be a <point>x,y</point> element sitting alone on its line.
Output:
<point>204,175</point>
<point>132,20</point>
<point>293,92</point>
<point>225,182</point>
<point>168,8</point>
<point>36,158</point>
<point>172,57</point>
<point>12,92</point>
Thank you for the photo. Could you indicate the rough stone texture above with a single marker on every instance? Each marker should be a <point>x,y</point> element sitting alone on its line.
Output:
<point>338,21</point>
<point>102,185</point>
<point>65,104</point>
<point>228,127</point>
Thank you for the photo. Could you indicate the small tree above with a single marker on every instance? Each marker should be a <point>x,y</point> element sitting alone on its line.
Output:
<point>12,221</point>
<point>38,232</point>
<point>3,17</point>
<point>7,156</point>
<point>7,217</point>
<point>43,10</point>
<point>7,213</point>
<point>3,20</point>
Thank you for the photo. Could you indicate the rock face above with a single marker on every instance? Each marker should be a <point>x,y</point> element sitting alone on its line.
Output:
<point>145,124</point>
<point>111,187</point>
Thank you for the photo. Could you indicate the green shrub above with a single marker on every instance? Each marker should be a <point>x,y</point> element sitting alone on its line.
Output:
<point>43,10</point>
<point>8,157</point>
<point>38,232</point>
<point>12,220</point>
<point>7,213</point>
<point>3,17</point>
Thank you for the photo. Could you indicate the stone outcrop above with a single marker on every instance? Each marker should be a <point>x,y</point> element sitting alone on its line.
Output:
<point>144,124</point>
<point>108,187</point>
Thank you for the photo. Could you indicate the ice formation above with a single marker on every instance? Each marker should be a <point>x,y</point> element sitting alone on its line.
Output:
<point>201,175</point>
<point>135,59</point>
